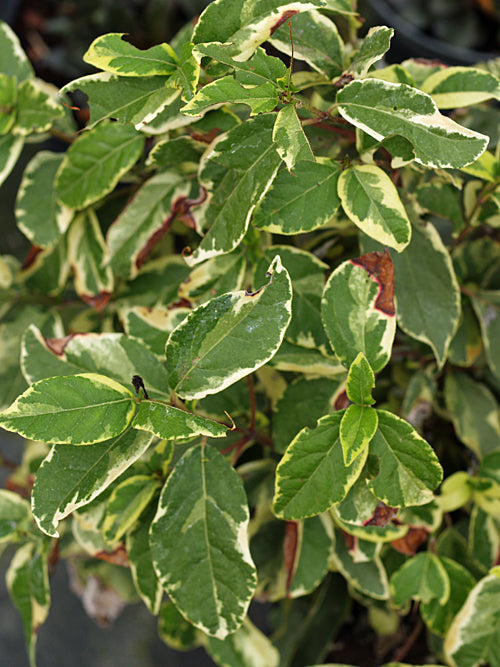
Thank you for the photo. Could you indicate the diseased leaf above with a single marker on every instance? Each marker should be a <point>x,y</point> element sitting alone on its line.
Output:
<point>230,336</point>
<point>171,423</point>
<point>372,202</point>
<point>95,162</point>
<point>71,476</point>
<point>358,309</point>
<point>409,470</point>
<point>78,409</point>
<point>312,476</point>
<point>199,542</point>
<point>383,109</point>
<point>112,53</point>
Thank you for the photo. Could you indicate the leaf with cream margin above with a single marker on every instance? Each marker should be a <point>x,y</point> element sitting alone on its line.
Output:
<point>372,202</point>
<point>244,24</point>
<point>358,309</point>
<point>423,577</point>
<point>291,142</point>
<point>167,421</point>
<point>230,336</point>
<point>260,99</point>
<point>199,542</point>
<point>141,562</point>
<point>113,54</point>
<point>247,647</point>
<point>72,476</point>
<point>472,639</point>
<point>10,149</point>
<point>373,47</point>
<point>75,409</point>
<point>454,87</point>
<point>312,476</point>
<point>14,513</point>
<point>383,109</point>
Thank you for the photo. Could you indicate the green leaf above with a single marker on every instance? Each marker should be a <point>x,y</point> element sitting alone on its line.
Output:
<point>292,143</point>
<point>472,639</point>
<point>36,110</point>
<point>112,53</point>
<point>171,423</point>
<point>239,169</point>
<point>13,60</point>
<point>124,98</point>
<point>422,578</point>
<point>425,271</point>
<point>86,252</point>
<point>39,215</point>
<point>244,23</point>
<point>8,103</point>
<point>311,563</point>
<point>141,562</point>
<point>14,512</point>
<point>260,99</point>
<point>302,404</point>
<point>289,209</point>
<point>483,537</point>
<point>486,305</point>
<point>72,476</point>
<point>315,39</point>
<point>357,428</point>
<point>200,530</point>
<point>143,221</point>
<point>358,309</point>
<point>372,202</point>
<point>126,504</point>
<point>383,109</point>
<point>230,336</point>
<point>360,381</point>
<point>10,149</point>
<point>438,617</point>
<point>312,476</point>
<point>175,631</point>
<point>247,647</point>
<point>368,577</point>
<point>95,162</point>
<point>473,411</point>
<point>409,470</point>
<point>79,409</point>
<point>372,49</point>
<point>28,584</point>
<point>454,87</point>
<point>260,68</point>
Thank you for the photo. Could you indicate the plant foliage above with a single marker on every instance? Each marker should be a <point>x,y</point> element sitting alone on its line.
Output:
<point>255,348</point>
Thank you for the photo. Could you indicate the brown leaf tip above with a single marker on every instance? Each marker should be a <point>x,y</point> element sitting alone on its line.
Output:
<point>380,267</point>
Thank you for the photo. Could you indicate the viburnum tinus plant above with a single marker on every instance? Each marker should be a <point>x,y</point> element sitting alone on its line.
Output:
<point>255,348</point>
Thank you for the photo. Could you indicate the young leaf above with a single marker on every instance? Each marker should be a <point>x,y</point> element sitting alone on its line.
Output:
<point>315,39</point>
<point>141,562</point>
<point>112,53</point>
<point>423,578</point>
<point>72,476</point>
<point>312,476</point>
<point>372,202</point>
<point>409,470</point>
<point>28,584</point>
<point>86,252</point>
<point>39,215</point>
<point>199,542</point>
<point>358,309</point>
<point>127,99</point>
<point>125,505</point>
<point>454,87</point>
<point>239,169</point>
<point>78,409</point>
<point>472,637</point>
<point>372,49</point>
<point>244,24</point>
<point>382,109</point>
<point>292,143</point>
<point>230,336</point>
<point>360,381</point>
<point>95,162</point>
<point>357,428</point>
<point>171,423</point>
<point>288,209</point>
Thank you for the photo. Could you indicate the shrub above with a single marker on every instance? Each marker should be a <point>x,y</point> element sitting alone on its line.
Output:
<point>258,321</point>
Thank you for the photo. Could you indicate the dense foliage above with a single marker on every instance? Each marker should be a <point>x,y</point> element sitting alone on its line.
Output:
<point>255,348</point>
